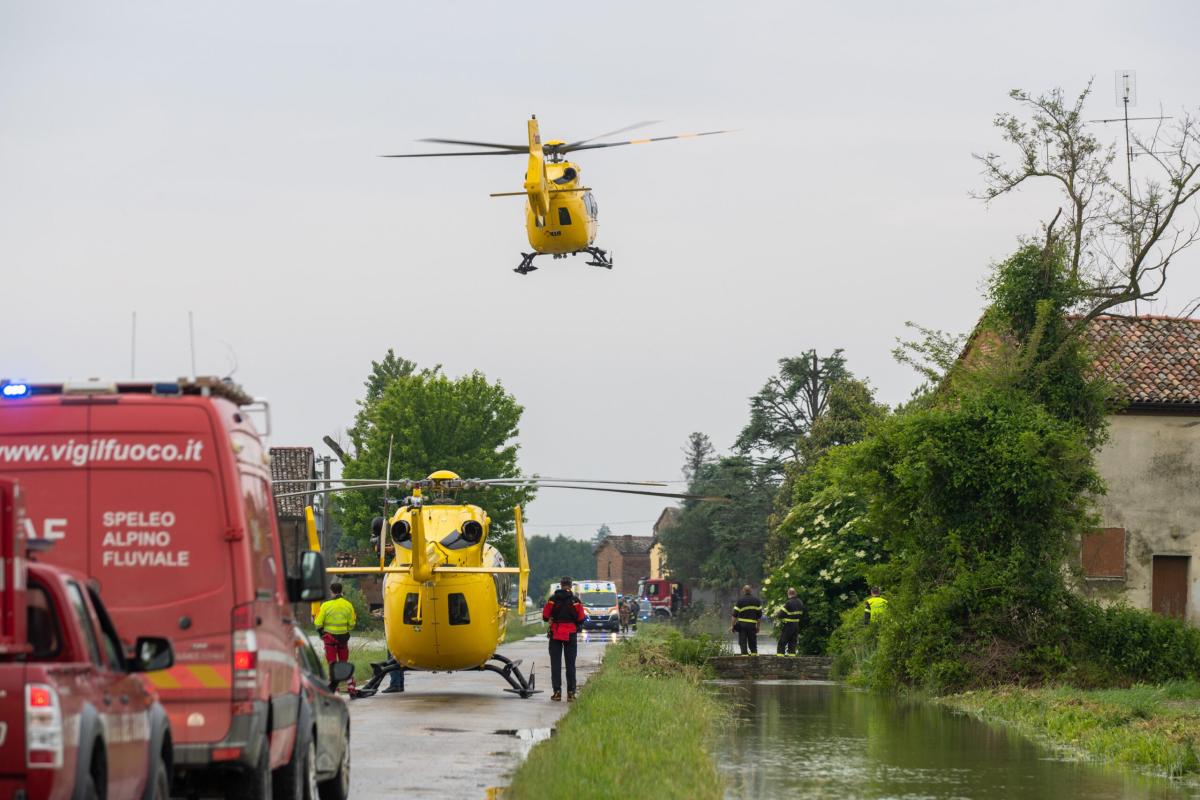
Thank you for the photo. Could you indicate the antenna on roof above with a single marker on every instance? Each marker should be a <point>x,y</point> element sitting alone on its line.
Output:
<point>133,347</point>
<point>192,342</point>
<point>1125,90</point>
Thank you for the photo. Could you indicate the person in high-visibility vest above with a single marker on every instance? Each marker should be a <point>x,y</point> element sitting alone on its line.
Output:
<point>747,613</point>
<point>334,622</point>
<point>875,608</point>
<point>791,616</point>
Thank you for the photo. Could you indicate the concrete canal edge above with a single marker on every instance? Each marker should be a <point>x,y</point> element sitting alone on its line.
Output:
<point>771,667</point>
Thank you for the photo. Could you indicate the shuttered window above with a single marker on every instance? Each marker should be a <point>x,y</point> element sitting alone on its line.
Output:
<point>1103,552</point>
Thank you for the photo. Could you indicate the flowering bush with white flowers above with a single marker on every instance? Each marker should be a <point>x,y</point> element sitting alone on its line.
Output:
<point>830,547</point>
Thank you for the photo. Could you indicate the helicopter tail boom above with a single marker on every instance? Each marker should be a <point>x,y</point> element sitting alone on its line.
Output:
<point>536,185</point>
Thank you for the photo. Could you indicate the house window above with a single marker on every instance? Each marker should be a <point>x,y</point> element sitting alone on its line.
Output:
<point>1103,553</point>
<point>564,216</point>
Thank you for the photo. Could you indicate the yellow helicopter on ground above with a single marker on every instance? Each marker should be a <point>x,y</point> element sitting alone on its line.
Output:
<point>446,590</point>
<point>560,212</point>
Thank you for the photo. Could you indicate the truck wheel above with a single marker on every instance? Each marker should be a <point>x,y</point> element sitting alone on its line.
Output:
<point>161,781</point>
<point>338,787</point>
<point>292,778</point>
<point>257,783</point>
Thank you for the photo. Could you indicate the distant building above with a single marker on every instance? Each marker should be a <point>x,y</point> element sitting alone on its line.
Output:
<point>292,464</point>
<point>624,560</point>
<point>658,567</point>
<point>1144,552</point>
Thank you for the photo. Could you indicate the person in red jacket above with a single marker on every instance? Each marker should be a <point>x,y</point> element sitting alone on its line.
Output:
<point>564,612</point>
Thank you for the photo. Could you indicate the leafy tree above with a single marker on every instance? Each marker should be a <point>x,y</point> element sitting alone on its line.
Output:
<point>602,533</point>
<point>721,545</point>
<point>384,372</point>
<point>551,558</point>
<point>698,452</point>
<point>1119,236</point>
<point>785,408</point>
<point>467,424</point>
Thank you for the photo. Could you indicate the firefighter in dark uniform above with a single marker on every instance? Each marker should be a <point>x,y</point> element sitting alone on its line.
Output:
<point>791,615</point>
<point>747,614</point>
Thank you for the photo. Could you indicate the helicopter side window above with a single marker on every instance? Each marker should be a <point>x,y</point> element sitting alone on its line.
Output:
<point>411,601</point>
<point>564,216</point>
<point>459,613</point>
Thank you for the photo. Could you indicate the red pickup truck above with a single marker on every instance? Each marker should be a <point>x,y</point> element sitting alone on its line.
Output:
<point>75,721</point>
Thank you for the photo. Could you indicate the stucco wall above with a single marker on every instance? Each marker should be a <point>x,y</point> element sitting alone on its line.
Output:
<point>1151,464</point>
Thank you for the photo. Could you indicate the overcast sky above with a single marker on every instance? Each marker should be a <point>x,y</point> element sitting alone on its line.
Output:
<point>220,157</point>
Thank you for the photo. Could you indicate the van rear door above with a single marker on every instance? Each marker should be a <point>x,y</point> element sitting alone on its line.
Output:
<point>45,445</point>
<point>158,532</point>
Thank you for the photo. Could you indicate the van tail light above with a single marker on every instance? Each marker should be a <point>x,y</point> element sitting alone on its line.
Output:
<point>43,727</point>
<point>245,653</point>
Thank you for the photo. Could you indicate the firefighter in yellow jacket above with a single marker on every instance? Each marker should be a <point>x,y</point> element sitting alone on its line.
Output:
<point>334,622</point>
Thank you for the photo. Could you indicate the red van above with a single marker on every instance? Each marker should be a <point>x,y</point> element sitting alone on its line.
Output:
<point>160,492</point>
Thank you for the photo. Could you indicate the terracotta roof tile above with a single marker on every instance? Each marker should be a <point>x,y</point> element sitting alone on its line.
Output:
<point>1149,359</point>
<point>291,463</point>
<point>631,545</point>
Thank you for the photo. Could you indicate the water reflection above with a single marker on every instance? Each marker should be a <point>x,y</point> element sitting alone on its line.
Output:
<point>816,740</point>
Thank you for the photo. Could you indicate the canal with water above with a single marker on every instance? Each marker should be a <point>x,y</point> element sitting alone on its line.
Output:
<point>798,739</point>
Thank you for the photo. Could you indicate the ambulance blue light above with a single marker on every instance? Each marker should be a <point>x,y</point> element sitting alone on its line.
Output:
<point>12,390</point>
<point>167,388</point>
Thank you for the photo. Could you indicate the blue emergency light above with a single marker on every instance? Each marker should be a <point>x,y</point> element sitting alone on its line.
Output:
<point>14,390</point>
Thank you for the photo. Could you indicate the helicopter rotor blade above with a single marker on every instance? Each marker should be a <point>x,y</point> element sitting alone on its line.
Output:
<point>570,148</point>
<point>704,498</point>
<point>633,127</point>
<point>355,487</point>
<point>504,481</point>
<point>467,153</point>
<point>518,148</point>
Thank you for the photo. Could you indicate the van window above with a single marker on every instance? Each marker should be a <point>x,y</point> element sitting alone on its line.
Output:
<point>564,216</point>
<point>268,583</point>
<point>109,641</point>
<point>80,611</point>
<point>459,614</point>
<point>42,629</point>
<point>411,601</point>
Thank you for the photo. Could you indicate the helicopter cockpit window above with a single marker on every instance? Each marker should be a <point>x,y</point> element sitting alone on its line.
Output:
<point>459,613</point>
<point>569,174</point>
<point>411,601</point>
<point>564,216</point>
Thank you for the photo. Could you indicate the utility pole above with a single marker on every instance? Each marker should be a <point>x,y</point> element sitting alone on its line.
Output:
<point>326,506</point>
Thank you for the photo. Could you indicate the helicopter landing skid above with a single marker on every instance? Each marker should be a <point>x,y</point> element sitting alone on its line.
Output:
<point>378,672</point>
<point>526,265</point>
<point>511,672</point>
<point>599,257</point>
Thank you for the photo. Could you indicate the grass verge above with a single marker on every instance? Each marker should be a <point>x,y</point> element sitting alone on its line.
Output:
<point>519,629</point>
<point>638,730</point>
<point>1156,727</point>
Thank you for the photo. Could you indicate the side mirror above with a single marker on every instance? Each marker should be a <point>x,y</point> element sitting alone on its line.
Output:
<point>310,585</point>
<point>340,671</point>
<point>151,654</point>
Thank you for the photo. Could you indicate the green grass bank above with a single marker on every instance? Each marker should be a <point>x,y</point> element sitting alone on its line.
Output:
<point>614,742</point>
<point>1156,727</point>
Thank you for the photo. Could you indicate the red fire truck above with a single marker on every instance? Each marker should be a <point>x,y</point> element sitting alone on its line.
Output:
<point>75,721</point>
<point>666,598</point>
<point>160,493</point>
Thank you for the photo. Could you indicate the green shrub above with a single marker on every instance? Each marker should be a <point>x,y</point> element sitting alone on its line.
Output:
<point>1121,645</point>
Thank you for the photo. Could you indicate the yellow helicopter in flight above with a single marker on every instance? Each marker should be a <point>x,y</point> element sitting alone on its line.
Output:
<point>560,212</point>
<point>446,589</point>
